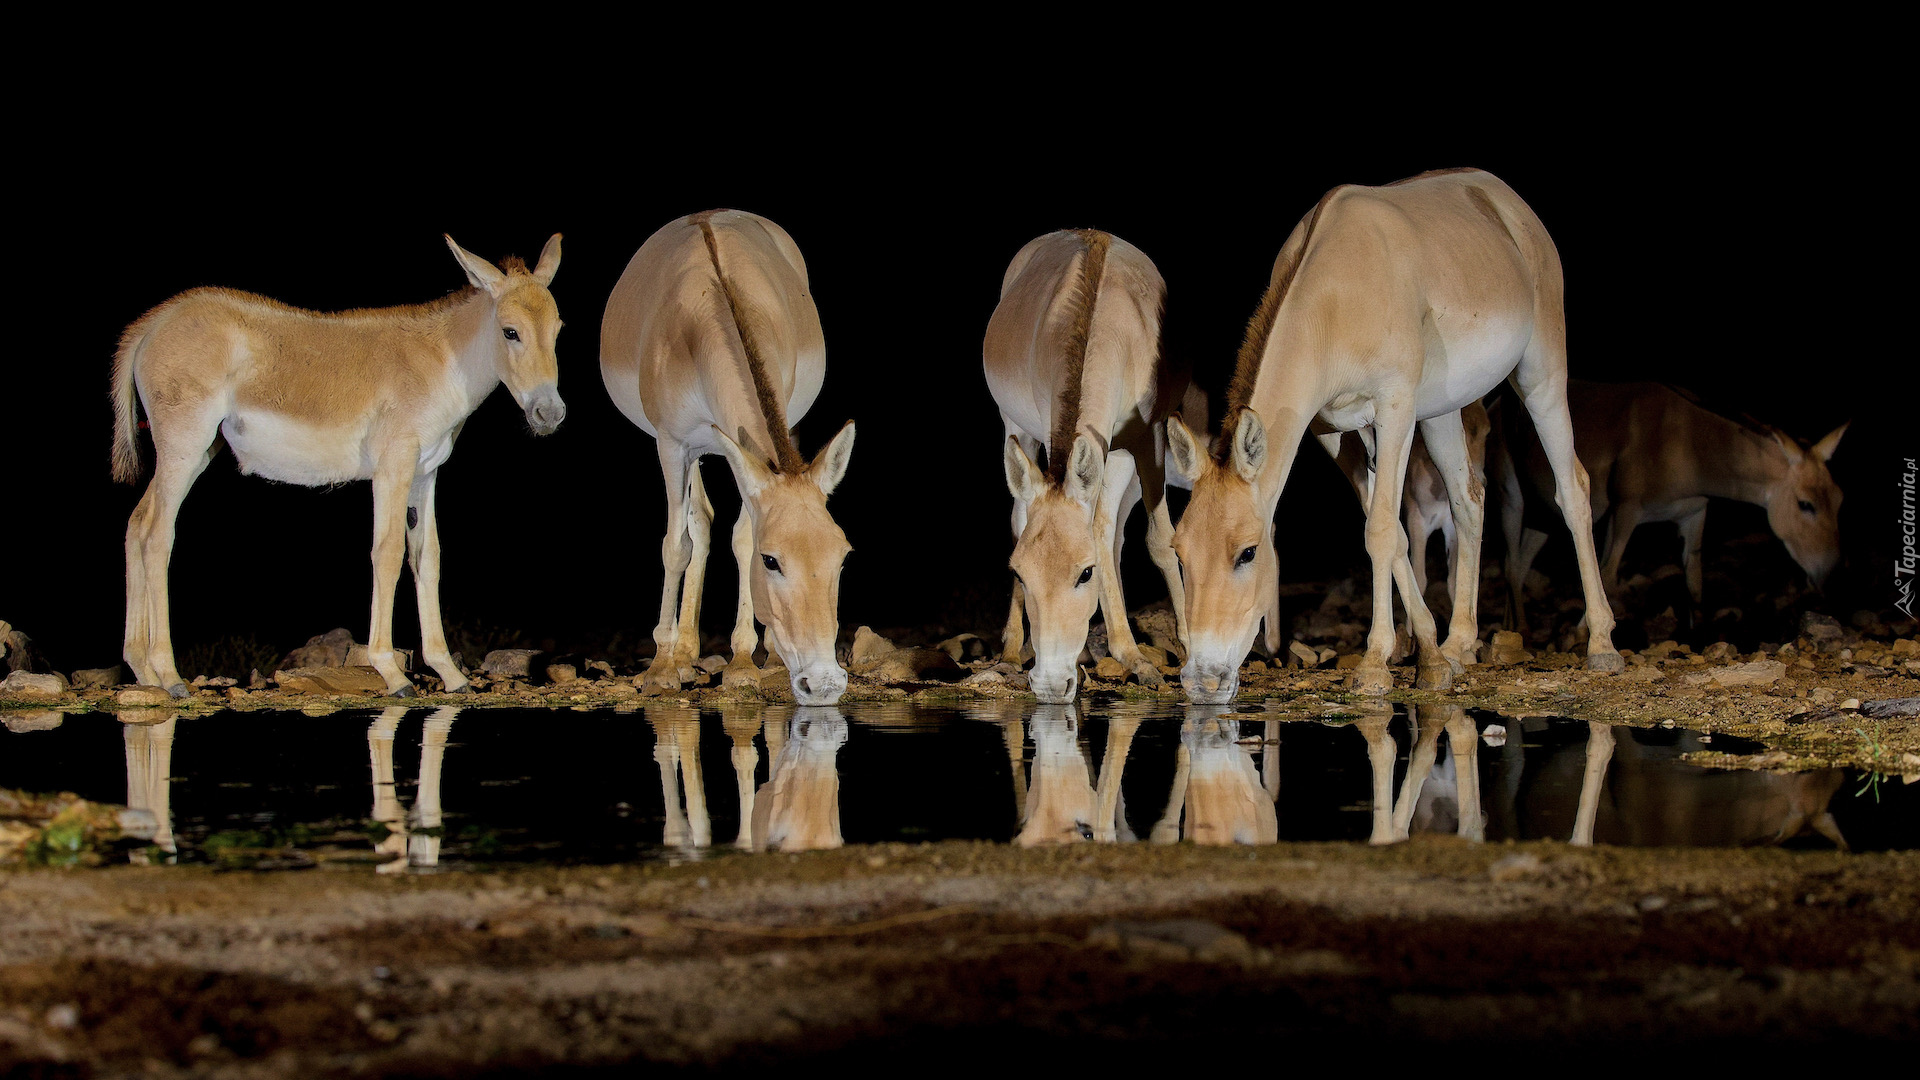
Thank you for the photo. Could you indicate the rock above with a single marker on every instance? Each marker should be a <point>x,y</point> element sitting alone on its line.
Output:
<point>1906,646</point>
<point>1719,652</point>
<point>1328,656</point>
<point>988,677</point>
<point>1820,628</point>
<point>1892,707</point>
<point>1097,641</point>
<point>363,681</point>
<point>1754,673</point>
<point>1494,735</point>
<point>776,678</point>
<point>1109,668</point>
<point>963,647</point>
<point>1256,667</point>
<point>599,669</point>
<point>1644,673</point>
<point>357,656</point>
<point>711,664</point>
<point>509,663</point>
<point>913,665</point>
<point>1154,655</point>
<point>620,691</point>
<point>562,674</point>
<point>143,695</point>
<point>103,678</point>
<point>20,653</point>
<point>1157,625</point>
<point>1350,660</point>
<point>28,684</point>
<point>868,647</point>
<point>1304,653</point>
<point>322,650</point>
<point>1505,647</point>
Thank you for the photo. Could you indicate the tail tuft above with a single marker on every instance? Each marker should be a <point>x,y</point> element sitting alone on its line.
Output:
<point>126,420</point>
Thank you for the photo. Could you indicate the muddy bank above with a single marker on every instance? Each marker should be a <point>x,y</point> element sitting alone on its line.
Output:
<point>966,949</point>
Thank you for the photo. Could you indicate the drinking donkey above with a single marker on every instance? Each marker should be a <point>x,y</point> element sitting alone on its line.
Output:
<point>1388,307</point>
<point>1073,357</point>
<point>711,344</point>
<point>315,398</point>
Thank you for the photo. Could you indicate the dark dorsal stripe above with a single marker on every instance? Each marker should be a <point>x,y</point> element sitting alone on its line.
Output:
<point>1246,369</point>
<point>1086,292</point>
<point>787,459</point>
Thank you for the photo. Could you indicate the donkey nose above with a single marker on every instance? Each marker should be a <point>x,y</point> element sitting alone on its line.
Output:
<point>546,415</point>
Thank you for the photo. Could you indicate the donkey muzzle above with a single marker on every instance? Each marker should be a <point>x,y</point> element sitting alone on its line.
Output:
<point>819,684</point>
<point>545,411</point>
<point>1209,684</point>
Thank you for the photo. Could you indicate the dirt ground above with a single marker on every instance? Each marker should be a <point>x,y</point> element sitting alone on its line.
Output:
<point>976,953</point>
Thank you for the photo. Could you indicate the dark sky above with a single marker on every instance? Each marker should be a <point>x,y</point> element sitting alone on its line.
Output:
<point>1698,253</point>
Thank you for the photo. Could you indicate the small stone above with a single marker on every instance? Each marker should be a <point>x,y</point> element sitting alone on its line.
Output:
<point>64,1016</point>
<point>599,669</point>
<point>1719,652</point>
<point>1304,653</point>
<point>1494,735</point>
<point>1328,656</point>
<point>143,695</point>
<point>989,677</point>
<point>1256,667</point>
<point>358,681</point>
<point>1850,703</point>
<point>963,647</point>
<point>1754,673</point>
<point>773,679</point>
<point>561,674</point>
<point>1350,660</point>
<point>105,678</point>
<point>29,684</point>
<point>1505,647</point>
<point>1906,646</point>
<point>620,691</point>
<point>868,647</point>
<point>1154,655</point>
<point>1109,668</point>
<point>1644,673</point>
<point>322,650</point>
<point>711,664</point>
<point>1820,627</point>
<point>509,663</point>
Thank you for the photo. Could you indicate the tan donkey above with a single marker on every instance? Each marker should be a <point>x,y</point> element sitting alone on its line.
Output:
<point>1073,358</point>
<point>712,345</point>
<point>309,398</point>
<point>1388,308</point>
<point>1655,454</point>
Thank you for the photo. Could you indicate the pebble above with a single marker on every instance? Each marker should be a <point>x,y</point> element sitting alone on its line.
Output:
<point>143,695</point>
<point>104,678</point>
<point>516,663</point>
<point>562,673</point>
<point>33,684</point>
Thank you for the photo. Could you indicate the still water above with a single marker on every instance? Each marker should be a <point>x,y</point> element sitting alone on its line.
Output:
<point>414,789</point>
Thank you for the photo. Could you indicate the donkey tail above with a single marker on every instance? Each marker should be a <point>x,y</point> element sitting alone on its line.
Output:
<point>126,430</point>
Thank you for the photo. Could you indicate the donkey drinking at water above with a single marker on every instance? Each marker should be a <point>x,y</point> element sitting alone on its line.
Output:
<point>711,344</point>
<point>1073,357</point>
<point>1388,307</point>
<point>309,398</point>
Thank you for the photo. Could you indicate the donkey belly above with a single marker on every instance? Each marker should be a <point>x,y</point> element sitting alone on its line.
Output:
<point>1468,354</point>
<point>281,448</point>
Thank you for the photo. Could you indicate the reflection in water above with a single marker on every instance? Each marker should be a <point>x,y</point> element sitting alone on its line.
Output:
<point>1217,786</point>
<point>413,839</point>
<point>1060,798</point>
<point>798,808</point>
<point>149,760</point>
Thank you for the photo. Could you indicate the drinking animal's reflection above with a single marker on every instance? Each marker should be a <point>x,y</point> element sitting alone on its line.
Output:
<point>413,837</point>
<point>797,809</point>
<point>149,760</point>
<point>1218,796</point>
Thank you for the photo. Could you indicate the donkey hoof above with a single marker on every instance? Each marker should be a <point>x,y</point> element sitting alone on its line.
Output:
<point>1148,675</point>
<point>1610,662</point>
<point>178,690</point>
<point>740,674</point>
<point>1372,680</point>
<point>404,691</point>
<point>463,688</point>
<point>1434,676</point>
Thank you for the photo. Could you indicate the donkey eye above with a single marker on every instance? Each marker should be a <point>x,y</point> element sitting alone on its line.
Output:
<point>512,334</point>
<point>1085,576</point>
<point>770,563</point>
<point>1806,507</point>
<point>1245,557</point>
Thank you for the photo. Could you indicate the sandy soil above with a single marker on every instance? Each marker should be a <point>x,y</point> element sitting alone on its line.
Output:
<point>979,954</point>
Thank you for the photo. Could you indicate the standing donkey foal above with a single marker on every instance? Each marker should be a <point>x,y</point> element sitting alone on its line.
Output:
<point>315,398</point>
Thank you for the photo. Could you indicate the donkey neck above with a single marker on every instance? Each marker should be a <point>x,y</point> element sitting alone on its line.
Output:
<point>1733,462</point>
<point>478,349</point>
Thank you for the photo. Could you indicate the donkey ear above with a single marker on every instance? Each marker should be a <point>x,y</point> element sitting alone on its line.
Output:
<point>1249,446</point>
<point>1825,447</point>
<point>749,472</point>
<point>549,261</point>
<point>1787,446</point>
<point>481,273</point>
<point>831,463</point>
<point>1024,478</point>
<point>1184,448</point>
<point>1085,467</point>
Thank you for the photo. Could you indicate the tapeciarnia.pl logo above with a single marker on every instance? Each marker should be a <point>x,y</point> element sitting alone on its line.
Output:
<point>1903,564</point>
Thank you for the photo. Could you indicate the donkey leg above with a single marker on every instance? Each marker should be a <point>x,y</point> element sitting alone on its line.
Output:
<point>742,671</point>
<point>1119,495</point>
<point>1380,754</point>
<point>699,516</point>
<point>423,557</point>
<point>1153,488</point>
<point>1013,639</point>
<point>138,638</point>
<point>392,480</point>
<point>1513,528</point>
<point>675,553</point>
<point>177,465</point>
<point>1592,779</point>
<point>1541,379</point>
<point>1387,547</point>
<point>1466,502</point>
<point>1692,527</point>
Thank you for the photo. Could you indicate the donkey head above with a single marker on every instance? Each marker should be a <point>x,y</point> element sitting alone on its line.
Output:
<point>1056,560</point>
<point>1227,561</point>
<point>1803,505</point>
<point>528,323</point>
<point>798,553</point>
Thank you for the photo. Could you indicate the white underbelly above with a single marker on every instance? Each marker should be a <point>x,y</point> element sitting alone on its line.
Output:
<point>292,452</point>
<point>1473,356</point>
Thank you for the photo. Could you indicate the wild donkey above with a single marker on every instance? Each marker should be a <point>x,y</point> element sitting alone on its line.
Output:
<point>711,344</point>
<point>1387,307</point>
<point>1655,454</point>
<point>309,398</point>
<point>1073,357</point>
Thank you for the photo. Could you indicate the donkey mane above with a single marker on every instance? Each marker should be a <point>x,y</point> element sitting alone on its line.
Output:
<point>787,457</point>
<point>1086,292</point>
<point>1259,328</point>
